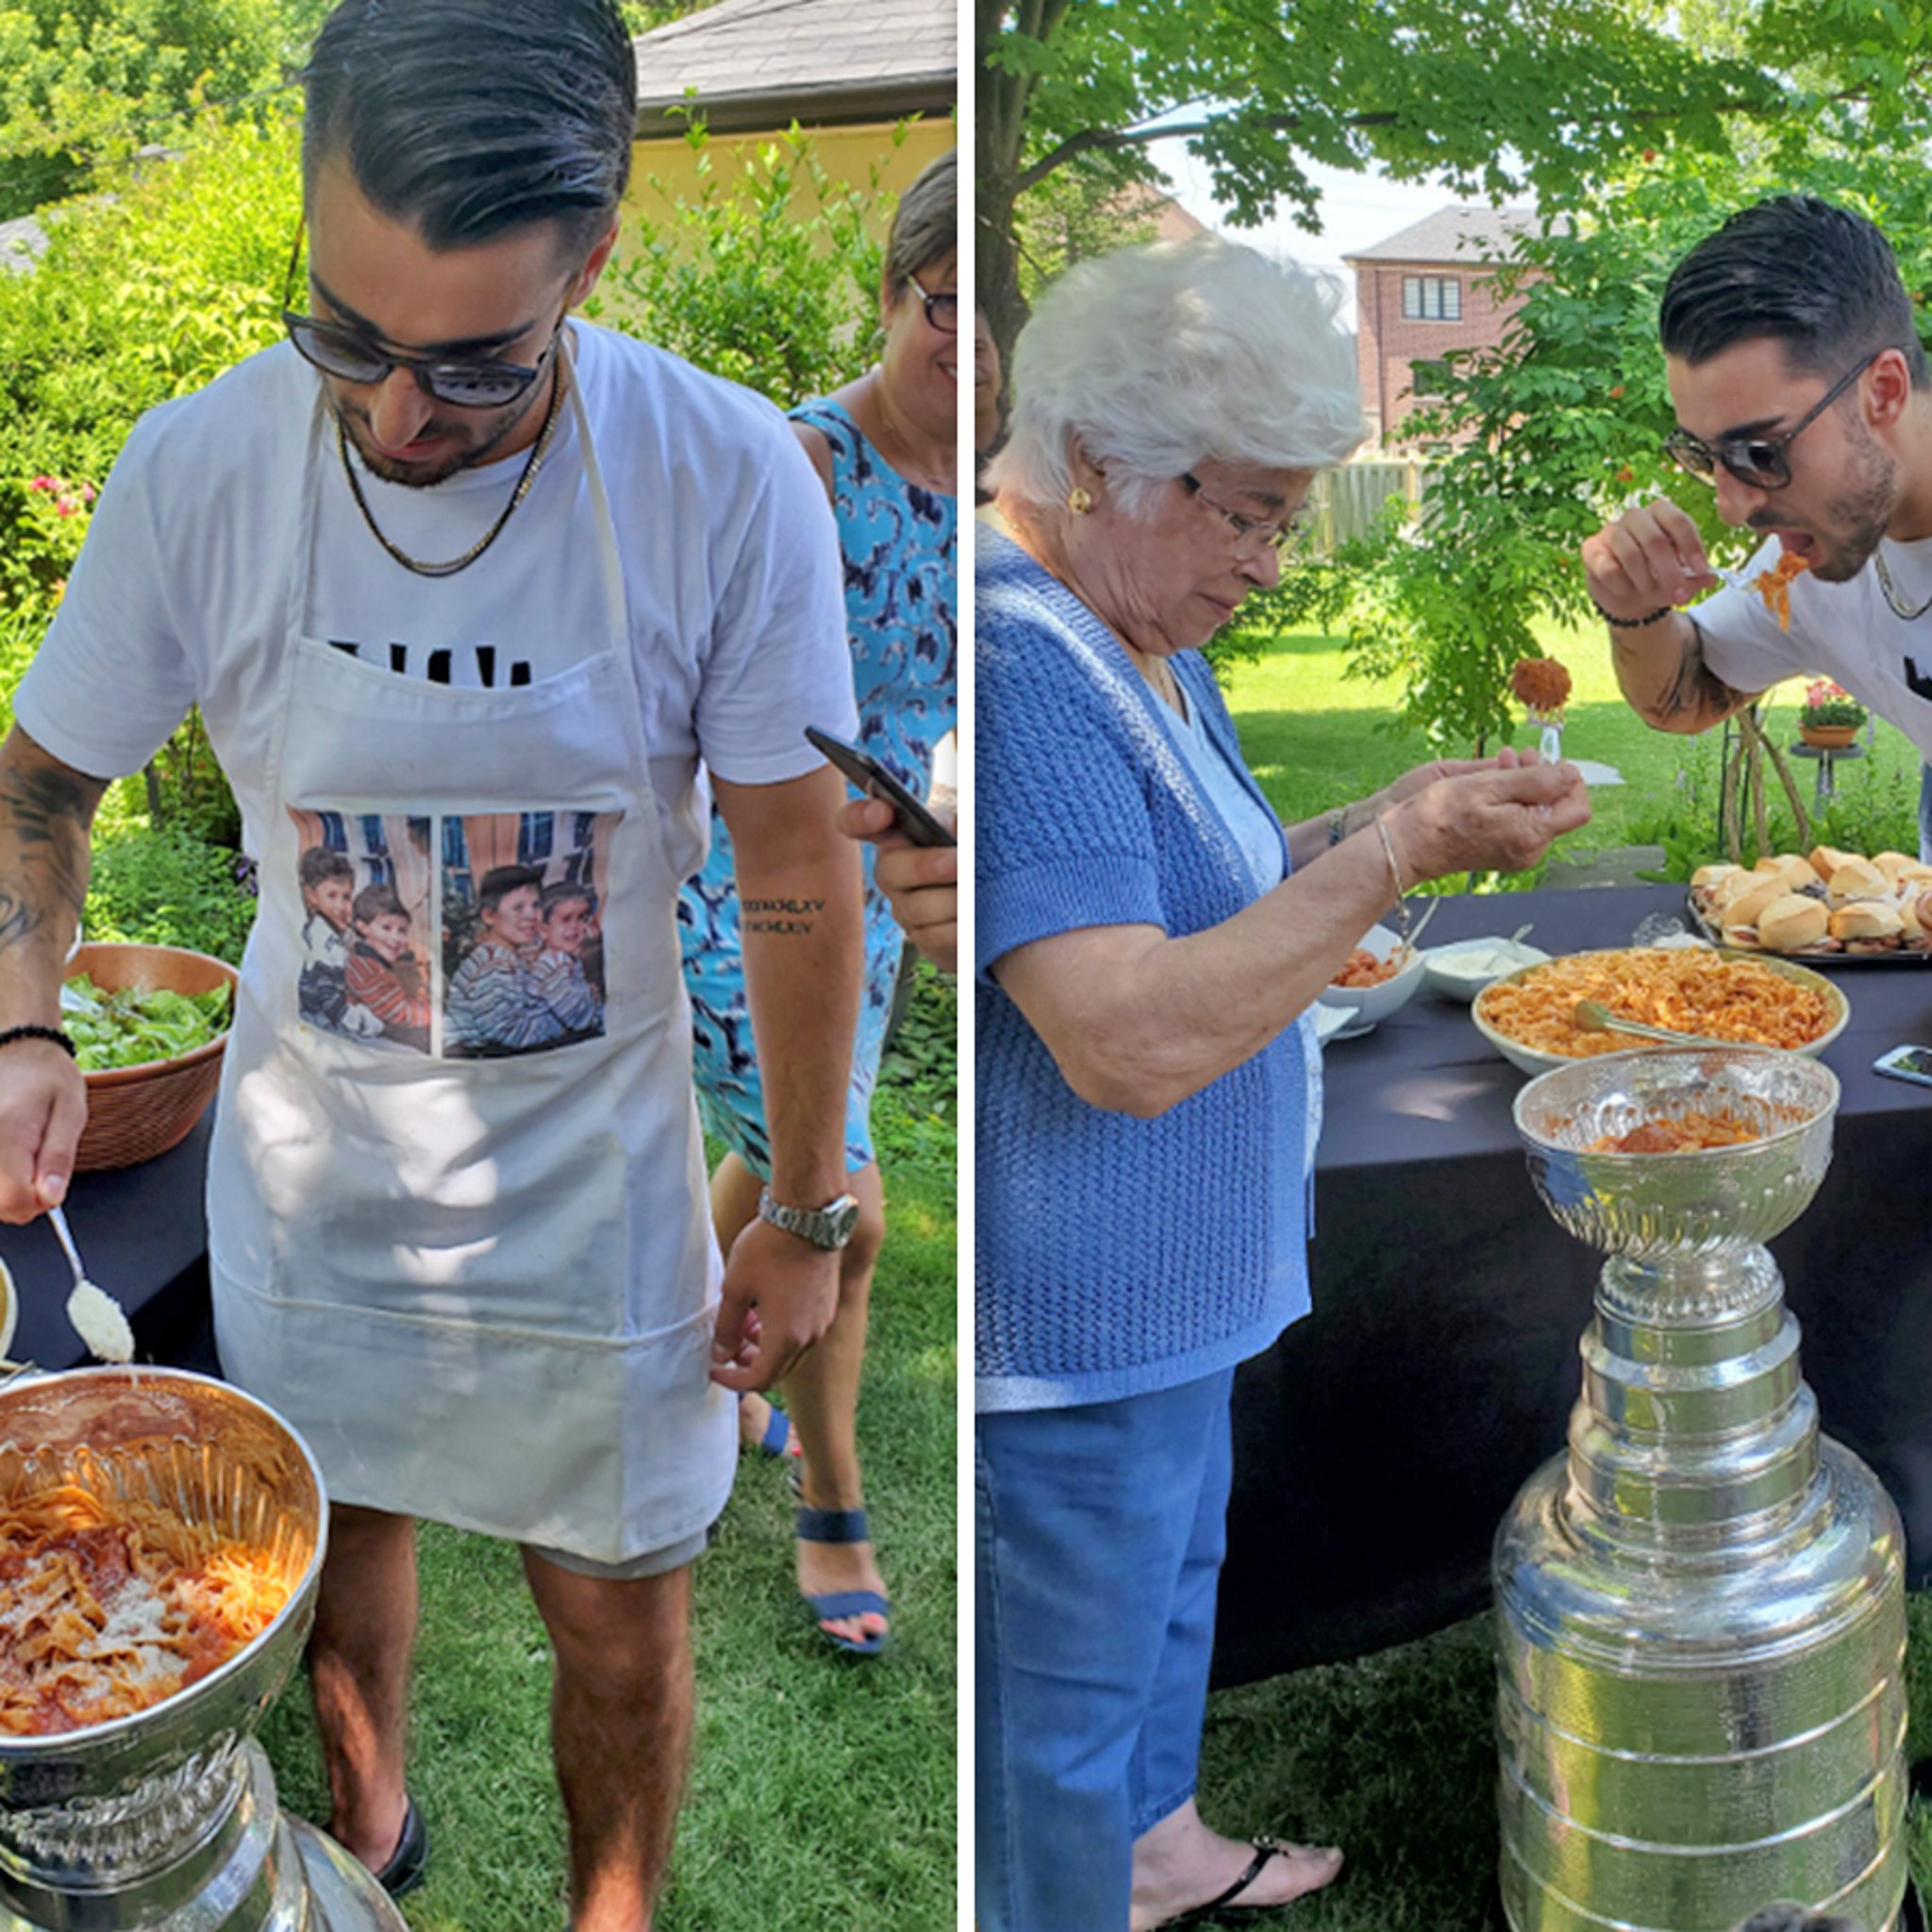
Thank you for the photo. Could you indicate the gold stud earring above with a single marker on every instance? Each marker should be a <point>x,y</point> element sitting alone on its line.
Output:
<point>1079,501</point>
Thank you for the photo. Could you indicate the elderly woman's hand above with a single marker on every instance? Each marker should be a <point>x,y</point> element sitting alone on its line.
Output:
<point>1494,817</point>
<point>1422,776</point>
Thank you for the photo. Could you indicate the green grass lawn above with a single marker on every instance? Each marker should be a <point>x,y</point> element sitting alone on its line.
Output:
<point>823,1790</point>
<point>1315,737</point>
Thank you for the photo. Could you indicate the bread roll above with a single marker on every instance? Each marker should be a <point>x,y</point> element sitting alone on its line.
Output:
<point>1742,908</point>
<point>1798,873</point>
<point>1867,919</point>
<point>1893,864</point>
<point>1707,877</point>
<point>1908,917</point>
<point>1858,879</point>
<point>1791,922</point>
<point>1826,859</point>
<point>1776,865</point>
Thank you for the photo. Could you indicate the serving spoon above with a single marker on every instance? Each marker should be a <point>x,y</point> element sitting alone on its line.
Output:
<point>98,1319</point>
<point>1592,1016</point>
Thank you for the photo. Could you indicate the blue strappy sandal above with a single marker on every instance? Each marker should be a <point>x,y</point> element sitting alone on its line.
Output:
<point>842,1526</point>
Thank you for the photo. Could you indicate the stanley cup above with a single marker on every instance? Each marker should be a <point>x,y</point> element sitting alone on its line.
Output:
<point>166,1821</point>
<point>1701,1606</point>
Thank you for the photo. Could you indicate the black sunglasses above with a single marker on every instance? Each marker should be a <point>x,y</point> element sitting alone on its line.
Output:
<point>1757,461</point>
<point>467,382</point>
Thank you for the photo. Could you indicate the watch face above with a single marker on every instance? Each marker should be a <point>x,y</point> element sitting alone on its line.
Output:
<point>844,1216</point>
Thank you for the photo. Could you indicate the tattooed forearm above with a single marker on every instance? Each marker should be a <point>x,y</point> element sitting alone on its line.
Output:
<point>782,915</point>
<point>1691,695</point>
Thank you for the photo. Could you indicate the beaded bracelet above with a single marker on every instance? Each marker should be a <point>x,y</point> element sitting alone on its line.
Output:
<point>1337,825</point>
<point>1631,623</point>
<point>1395,874</point>
<point>8,1035</point>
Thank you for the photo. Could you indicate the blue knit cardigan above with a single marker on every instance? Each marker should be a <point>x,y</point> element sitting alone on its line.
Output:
<point>1113,1255</point>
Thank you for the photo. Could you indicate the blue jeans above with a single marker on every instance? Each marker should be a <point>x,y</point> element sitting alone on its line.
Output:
<point>1100,1532</point>
<point>1925,813</point>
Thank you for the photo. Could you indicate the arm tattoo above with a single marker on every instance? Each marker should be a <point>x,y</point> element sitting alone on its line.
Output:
<point>781,915</point>
<point>49,813</point>
<point>1696,690</point>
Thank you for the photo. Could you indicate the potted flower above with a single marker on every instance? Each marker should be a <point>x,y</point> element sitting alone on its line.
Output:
<point>1830,715</point>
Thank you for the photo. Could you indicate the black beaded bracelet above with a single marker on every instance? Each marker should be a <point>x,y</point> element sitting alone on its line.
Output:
<point>1631,623</point>
<point>9,1034</point>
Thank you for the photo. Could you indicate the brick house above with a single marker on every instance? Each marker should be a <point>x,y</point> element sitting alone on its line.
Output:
<point>1427,291</point>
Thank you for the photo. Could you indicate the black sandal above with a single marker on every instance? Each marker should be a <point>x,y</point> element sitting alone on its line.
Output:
<point>1227,1904</point>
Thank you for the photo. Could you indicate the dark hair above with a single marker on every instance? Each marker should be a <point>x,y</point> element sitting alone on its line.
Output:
<point>500,881</point>
<point>374,901</point>
<point>318,863</point>
<point>563,890</point>
<point>927,222</point>
<point>470,117</point>
<point>1818,279</point>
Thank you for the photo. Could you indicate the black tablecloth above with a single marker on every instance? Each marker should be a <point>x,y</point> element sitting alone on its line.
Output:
<point>143,1232</point>
<point>1377,1444</point>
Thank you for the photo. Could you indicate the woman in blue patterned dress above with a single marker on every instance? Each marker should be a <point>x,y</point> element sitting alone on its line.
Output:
<point>886,448</point>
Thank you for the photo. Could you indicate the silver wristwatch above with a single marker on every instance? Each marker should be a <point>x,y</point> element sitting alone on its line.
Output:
<point>830,1226</point>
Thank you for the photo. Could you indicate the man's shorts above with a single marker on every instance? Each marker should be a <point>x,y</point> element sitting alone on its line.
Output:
<point>651,1563</point>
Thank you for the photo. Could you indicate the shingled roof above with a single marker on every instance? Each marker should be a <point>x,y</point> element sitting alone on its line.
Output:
<point>1455,235</point>
<point>765,63</point>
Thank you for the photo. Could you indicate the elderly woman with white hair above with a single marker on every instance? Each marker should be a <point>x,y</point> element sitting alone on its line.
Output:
<point>1149,938</point>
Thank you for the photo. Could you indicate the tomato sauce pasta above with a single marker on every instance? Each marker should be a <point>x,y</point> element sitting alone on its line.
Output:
<point>1686,991</point>
<point>108,1608</point>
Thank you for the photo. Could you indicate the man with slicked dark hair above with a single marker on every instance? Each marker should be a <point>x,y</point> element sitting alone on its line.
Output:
<point>1803,396</point>
<point>467,590</point>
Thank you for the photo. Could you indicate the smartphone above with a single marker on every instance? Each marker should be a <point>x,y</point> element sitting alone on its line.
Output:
<point>1906,1063</point>
<point>872,778</point>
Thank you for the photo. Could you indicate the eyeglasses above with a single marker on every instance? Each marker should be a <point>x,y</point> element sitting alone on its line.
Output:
<point>1250,533</point>
<point>942,310</point>
<point>350,354</point>
<point>1757,461</point>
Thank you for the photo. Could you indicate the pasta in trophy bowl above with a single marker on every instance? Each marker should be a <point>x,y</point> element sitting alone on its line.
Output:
<point>160,1538</point>
<point>1529,1016</point>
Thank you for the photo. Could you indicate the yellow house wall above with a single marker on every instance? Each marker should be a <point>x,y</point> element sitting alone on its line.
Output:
<point>664,169</point>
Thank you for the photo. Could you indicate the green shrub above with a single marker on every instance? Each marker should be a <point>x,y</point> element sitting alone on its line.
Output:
<point>770,277</point>
<point>167,887</point>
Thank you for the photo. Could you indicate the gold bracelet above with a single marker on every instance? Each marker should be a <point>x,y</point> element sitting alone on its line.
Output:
<point>1395,874</point>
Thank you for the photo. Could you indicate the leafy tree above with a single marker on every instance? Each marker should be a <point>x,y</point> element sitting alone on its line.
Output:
<point>85,82</point>
<point>1534,93</point>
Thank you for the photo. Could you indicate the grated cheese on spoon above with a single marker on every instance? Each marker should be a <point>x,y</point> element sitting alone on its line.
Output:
<point>100,1321</point>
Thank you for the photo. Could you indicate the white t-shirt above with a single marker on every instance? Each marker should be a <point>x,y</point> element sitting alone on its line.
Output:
<point>730,559</point>
<point>1846,632</point>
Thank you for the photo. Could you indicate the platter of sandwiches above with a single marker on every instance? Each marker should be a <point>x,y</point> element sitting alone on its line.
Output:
<point>1827,906</point>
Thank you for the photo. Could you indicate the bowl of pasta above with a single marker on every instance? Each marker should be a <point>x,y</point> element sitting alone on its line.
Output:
<point>1378,978</point>
<point>162,1536</point>
<point>1529,1016</point>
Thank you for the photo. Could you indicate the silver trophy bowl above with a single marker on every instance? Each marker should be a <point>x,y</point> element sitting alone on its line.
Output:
<point>168,1817</point>
<point>1699,1605</point>
<point>1663,1207</point>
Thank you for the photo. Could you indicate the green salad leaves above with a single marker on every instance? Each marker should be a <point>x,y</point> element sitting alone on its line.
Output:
<point>128,1029</point>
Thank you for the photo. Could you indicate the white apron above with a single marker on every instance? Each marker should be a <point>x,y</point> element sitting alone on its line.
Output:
<point>481,1288</point>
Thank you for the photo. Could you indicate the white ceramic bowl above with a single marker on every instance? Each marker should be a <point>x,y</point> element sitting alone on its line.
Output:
<point>1530,1061</point>
<point>1373,1004</point>
<point>1464,967</point>
<point>1330,1022</point>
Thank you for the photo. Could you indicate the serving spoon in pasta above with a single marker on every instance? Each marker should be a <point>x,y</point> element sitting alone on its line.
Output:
<point>1592,1016</point>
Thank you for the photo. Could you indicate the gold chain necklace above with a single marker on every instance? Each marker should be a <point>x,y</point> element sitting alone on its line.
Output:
<point>1892,596</point>
<point>532,465</point>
